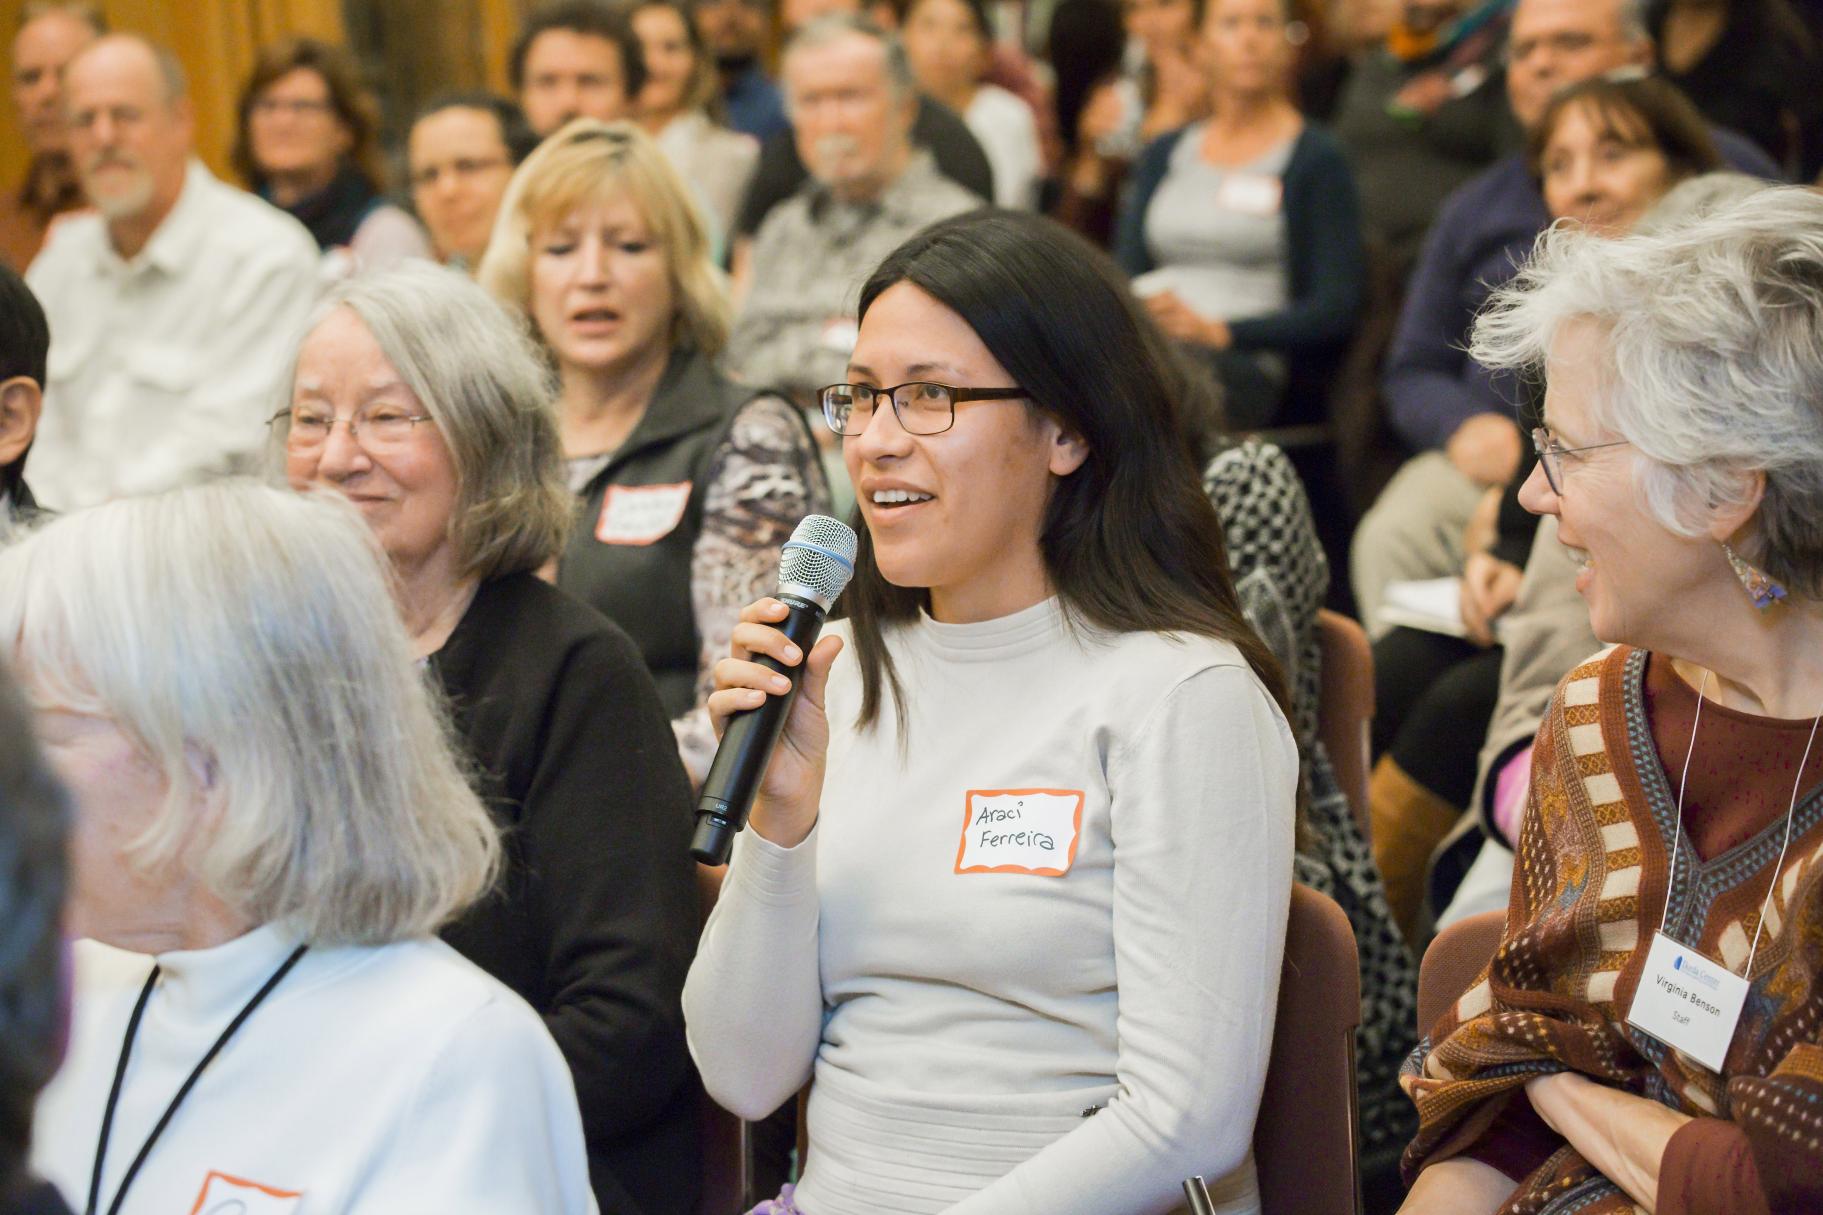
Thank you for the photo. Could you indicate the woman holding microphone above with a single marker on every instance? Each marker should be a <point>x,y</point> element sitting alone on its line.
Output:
<point>974,900</point>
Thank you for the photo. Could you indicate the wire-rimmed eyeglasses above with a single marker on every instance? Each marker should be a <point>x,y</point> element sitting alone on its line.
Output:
<point>923,407</point>
<point>376,429</point>
<point>1551,454</point>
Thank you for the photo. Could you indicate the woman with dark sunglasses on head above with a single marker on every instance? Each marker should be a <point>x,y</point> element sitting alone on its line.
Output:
<point>978,900</point>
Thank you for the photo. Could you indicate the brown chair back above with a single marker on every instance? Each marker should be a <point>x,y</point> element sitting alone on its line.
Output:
<point>1304,1143</point>
<point>1345,706</point>
<point>1367,451</point>
<point>1451,964</point>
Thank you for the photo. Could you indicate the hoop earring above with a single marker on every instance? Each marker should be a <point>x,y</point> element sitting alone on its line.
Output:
<point>1760,586</point>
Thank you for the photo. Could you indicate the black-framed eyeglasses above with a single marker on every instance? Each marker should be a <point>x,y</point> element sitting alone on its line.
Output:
<point>1551,454</point>
<point>923,407</point>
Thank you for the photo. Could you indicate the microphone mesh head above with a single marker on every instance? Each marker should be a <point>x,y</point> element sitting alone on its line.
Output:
<point>818,560</point>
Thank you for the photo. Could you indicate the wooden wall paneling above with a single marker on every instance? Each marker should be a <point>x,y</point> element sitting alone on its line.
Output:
<point>13,156</point>
<point>216,40</point>
<point>412,49</point>
<point>416,49</point>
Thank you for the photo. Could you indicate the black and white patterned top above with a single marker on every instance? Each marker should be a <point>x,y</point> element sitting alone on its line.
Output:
<point>1281,576</point>
<point>1278,566</point>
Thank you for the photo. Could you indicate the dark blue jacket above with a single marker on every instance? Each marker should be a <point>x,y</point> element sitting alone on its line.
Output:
<point>1482,235</point>
<point>1327,267</point>
<point>755,105</point>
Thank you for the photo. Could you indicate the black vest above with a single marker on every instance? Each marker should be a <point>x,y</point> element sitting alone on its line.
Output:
<point>629,555</point>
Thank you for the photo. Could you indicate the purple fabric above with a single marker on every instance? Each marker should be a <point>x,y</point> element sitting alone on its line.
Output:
<point>66,970</point>
<point>1483,232</point>
<point>1510,789</point>
<point>784,1204</point>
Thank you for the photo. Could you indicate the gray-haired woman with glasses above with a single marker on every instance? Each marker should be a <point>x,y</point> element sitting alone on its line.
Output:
<point>1647,1034</point>
<point>417,398</point>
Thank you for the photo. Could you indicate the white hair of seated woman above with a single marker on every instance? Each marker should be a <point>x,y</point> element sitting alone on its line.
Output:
<point>1713,344</point>
<point>243,636</point>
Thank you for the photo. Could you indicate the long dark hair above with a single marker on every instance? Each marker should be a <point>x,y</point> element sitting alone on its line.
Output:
<point>34,824</point>
<point>1130,541</point>
<point>1085,44</point>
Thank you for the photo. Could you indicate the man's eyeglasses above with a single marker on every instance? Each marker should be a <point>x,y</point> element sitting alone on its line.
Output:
<point>300,107</point>
<point>461,170</point>
<point>380,429</point>
<point>1551,454</point>
<point>922,406</point>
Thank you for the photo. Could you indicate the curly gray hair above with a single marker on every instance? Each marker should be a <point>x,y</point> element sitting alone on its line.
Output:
<point>1714,360</point>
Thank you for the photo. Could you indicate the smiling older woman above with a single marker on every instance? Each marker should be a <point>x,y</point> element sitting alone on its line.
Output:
<point>265,803</point>
<point>1648,1031</point>
<point>416,398</point>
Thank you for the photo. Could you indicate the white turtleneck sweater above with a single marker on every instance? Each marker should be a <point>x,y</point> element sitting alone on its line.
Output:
<point>965,993</point>
<point>385,1079</point>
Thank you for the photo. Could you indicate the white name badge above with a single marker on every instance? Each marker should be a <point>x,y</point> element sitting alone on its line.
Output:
<point>225,1195</point>
<point>1688,1002</point>
<point>641,514</point>
<point>1250,194</point>
<point>1020,831</point>
<point>840,335</point>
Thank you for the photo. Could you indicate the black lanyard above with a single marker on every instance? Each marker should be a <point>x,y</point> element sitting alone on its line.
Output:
<point>120,1074</point>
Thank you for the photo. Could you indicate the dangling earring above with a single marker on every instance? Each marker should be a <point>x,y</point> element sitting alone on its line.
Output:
<point>1760,586</point>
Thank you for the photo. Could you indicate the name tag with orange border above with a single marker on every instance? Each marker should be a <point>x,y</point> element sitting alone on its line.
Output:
<point>641,514</point>
<point>225,1195</point>
<point>1032,831</point>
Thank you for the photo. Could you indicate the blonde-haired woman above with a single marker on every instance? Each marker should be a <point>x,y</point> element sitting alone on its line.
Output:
<point>420,400</point>
<point>690,483</point>
<point>266,805</point>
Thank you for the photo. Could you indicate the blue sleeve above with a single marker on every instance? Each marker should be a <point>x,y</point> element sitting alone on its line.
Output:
<point>1745,156</point>
<point>1130,224</point>
<point>1431,384</point>
<point>1328,269</point>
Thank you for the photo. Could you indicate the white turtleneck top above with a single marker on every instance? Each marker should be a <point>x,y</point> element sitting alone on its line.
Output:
<point>1068,891</point>
<point>374,1079</point>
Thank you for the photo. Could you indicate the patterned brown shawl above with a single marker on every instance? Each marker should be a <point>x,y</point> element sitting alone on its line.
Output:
<point>1589,885</point>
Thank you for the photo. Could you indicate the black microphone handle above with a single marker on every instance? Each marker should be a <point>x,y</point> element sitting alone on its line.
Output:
<point>747,744</point>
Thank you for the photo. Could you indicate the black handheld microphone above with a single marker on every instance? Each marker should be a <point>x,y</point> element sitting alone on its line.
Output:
<point>816,564</point>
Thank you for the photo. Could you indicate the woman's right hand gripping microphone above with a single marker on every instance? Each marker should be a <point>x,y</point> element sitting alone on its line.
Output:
<point>774,740</point>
